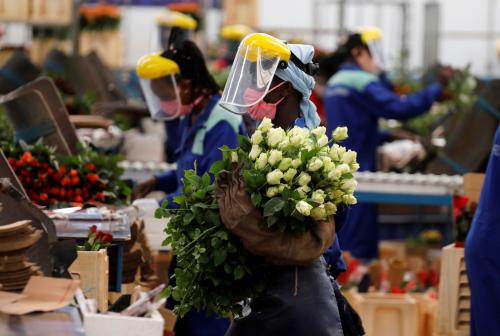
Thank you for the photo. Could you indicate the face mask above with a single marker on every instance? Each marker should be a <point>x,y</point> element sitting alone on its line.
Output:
<point>186,109</point>
<point>169,107</point>
<point>262,109</point>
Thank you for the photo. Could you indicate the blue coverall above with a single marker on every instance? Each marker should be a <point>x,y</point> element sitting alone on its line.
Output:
<point>357,99</point>
<point>200,143</point>
<point>481,252</point>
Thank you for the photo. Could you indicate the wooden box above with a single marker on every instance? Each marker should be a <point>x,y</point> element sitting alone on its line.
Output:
<point>108,44</point>
<point>473,183</point>
<point>454,294</point>
<point>18,10</point>
<point>41,47</point>
<point>55,12</point>
<point>92,269</point>
<point>389,314</point>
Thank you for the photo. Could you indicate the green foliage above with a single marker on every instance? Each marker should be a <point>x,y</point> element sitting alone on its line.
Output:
<point>214,272</point>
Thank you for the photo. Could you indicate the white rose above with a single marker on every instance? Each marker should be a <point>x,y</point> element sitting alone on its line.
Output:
<point>256,137</point>
<point>343,168</point>
<point>319,131</point>
<point>331,209</point>
<point>285,164</point>
<point>304,179</point>
<point>274,177</point>
<point>284,144</point>
<point>261,161</point>
<point>290,174</point>
<point>303,191</point>
<point>296,163</point>
<point>297,136</point>
<point>318,213</point>
<point>315,164</point>
<point>336,194</point>
<point>318,196</point>
<point>304,208</point>
<point>265,125</point>
<point>334,174</point>
<point>275,157</point>
<point>349,199</point>
<point>339,134</point>
<point>275,136</point>
<point>349,185</point>
<point>336,152</point>
<point>234,157</point>
<point>254,152</point>
<point>282,187</point>
<point>272,191</point>
<point>355,167</point>
<point>349,157</point>
<point>323,141</point>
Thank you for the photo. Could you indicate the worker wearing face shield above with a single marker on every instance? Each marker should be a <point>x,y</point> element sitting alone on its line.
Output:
<point>177,87</point>
<point>357,95</point>
<point>272,79</point>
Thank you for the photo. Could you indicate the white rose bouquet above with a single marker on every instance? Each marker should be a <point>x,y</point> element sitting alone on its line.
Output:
<point>297,177</point>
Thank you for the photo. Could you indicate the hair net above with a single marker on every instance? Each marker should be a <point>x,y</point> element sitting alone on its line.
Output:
<point>302,82</point>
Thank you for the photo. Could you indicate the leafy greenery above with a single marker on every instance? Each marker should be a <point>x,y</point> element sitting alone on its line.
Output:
<point>214,272</point>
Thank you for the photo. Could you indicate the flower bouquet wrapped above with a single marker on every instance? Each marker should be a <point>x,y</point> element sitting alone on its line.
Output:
<point>274,197</point>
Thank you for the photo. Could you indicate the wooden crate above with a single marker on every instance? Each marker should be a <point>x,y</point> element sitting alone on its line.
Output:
<point>41,47</point>
<point>389,314</point>
<point>241,12</point>
<point>92,269</point>
<point>56,12</point>
<point>454,294</point>
<point>107,44</point>
<point>18,10</point>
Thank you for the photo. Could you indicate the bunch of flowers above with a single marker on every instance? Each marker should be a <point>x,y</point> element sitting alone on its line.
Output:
<point>297,176</point>
<point>49,178</point>
<point>99,17</point>
<point>96,240</point>
<point>214,272</point>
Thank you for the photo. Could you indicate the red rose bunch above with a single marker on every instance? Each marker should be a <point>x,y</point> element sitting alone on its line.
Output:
<point>97,240</point>
<point>47,184</point>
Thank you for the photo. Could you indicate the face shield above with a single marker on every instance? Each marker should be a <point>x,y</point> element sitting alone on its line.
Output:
<point>252,72</point>
<point>157,77</point>
<point>372,37</point>
<point>171,26</point>
<point>375,47</point>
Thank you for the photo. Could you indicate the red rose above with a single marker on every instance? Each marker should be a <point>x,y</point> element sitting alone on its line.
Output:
<point>99,196</point>
<point>78,199</point>
<point>90,166</point>
<point>54,191</point>
<point>65,181</point>
<point>93,229</point>
<point>78,192</point>
<point>43,197</point>
<point>106,237</point>
<point>75,180</point>
<point>27,157</point>
<point>73,172</point>
<point>92,178</point>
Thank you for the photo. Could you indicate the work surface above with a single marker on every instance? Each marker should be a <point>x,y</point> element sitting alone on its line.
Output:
<point>64,322</point>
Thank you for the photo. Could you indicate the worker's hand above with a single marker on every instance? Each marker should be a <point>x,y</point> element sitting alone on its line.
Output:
<point>405,135</point>
<point>444,75</point>
<point>144,188</point>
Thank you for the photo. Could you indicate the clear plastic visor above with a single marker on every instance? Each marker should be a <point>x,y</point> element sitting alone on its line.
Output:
<point>249,79</point>
<point>162,97</point>
<point>377,52</point>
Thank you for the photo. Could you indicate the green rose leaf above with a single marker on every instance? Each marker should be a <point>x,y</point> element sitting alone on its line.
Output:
<point>274,205</point>
<point>219,256</point>
<point>256,199</point>
<point>239,272</point>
